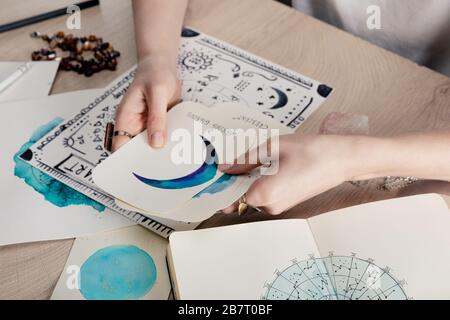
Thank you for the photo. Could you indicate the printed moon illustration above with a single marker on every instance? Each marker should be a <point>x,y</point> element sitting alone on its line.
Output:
<point>203,174</point>
<point>282,99</point>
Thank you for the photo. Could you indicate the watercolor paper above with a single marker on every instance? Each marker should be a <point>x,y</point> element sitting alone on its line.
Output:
<point>226,189</point>
<point>169,180</point>
<point>125,264</point>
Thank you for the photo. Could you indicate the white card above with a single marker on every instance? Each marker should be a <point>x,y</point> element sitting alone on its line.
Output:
<point>226,189</point>
<point>160,180</point>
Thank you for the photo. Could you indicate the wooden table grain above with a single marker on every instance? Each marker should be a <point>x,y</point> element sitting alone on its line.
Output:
<point>398,96</point>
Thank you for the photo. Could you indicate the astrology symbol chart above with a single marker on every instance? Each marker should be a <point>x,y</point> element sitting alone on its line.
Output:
<point>212,71</point>
<point>335,278</point>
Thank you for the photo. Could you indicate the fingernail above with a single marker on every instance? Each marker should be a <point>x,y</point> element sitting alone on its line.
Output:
<point>157,139</point>
<point>225,167</point>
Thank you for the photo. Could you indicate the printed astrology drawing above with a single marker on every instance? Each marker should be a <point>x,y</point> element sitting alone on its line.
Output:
<point>212,71</point>
<point>334,278</point>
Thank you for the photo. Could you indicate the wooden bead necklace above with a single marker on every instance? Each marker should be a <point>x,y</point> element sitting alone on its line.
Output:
<point>102,54</point>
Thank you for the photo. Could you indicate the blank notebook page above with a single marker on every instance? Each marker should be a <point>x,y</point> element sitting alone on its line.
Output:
<point>235,262</point>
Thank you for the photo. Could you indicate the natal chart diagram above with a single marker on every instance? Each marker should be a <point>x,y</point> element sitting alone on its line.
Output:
<point>334,277</point>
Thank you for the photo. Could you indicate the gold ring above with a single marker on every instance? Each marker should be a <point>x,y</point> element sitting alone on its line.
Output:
<point>243,206</point>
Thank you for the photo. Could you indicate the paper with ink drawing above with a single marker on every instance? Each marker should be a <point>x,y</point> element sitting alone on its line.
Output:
<point>125,264</point>
<point>34,83</point>
<point>212,71</point>
<point>34,206</point>
<point>151,179</point>
<point>225,190</point>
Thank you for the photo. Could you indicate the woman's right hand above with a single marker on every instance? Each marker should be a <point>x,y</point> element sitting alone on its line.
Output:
<point>155,88</point>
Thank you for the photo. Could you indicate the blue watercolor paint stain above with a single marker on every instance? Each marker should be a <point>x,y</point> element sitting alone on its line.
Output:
<point>219,185</point>
<point>120,272</point>
<point>200,176</point>
<point>53,191</point>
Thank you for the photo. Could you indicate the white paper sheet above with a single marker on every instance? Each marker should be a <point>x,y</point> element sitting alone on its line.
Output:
<point>25,215</point>
<point>35,83</point>
<point>235,262</point>
<point>123,264</point>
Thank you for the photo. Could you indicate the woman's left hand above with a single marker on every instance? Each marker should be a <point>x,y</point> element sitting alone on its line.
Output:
<point>307,166</point>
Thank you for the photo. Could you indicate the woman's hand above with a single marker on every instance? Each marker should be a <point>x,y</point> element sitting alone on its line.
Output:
<point>310,165</point>
<point>157,24</point>
<point>307,166</point>
<point>155,88</point>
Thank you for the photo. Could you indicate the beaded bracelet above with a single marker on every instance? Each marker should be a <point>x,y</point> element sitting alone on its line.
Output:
<point>102,57</point>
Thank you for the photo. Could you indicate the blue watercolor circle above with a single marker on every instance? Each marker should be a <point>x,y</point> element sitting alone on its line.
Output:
<point>120,272</point>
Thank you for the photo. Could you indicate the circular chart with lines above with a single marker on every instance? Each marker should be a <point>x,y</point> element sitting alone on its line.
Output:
<point>334,278</point>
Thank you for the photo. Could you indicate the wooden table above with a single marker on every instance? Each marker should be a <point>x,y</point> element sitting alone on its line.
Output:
<point>397,95</point>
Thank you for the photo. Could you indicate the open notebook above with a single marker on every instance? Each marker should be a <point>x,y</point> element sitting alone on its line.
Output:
<point>394,249</point>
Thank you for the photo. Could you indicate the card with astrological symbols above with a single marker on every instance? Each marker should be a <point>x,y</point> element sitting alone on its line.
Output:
<point>212,71</point>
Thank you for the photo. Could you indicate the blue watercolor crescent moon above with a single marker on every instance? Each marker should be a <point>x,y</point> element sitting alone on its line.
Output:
<point>282,99</point>
<point>203,174</point>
